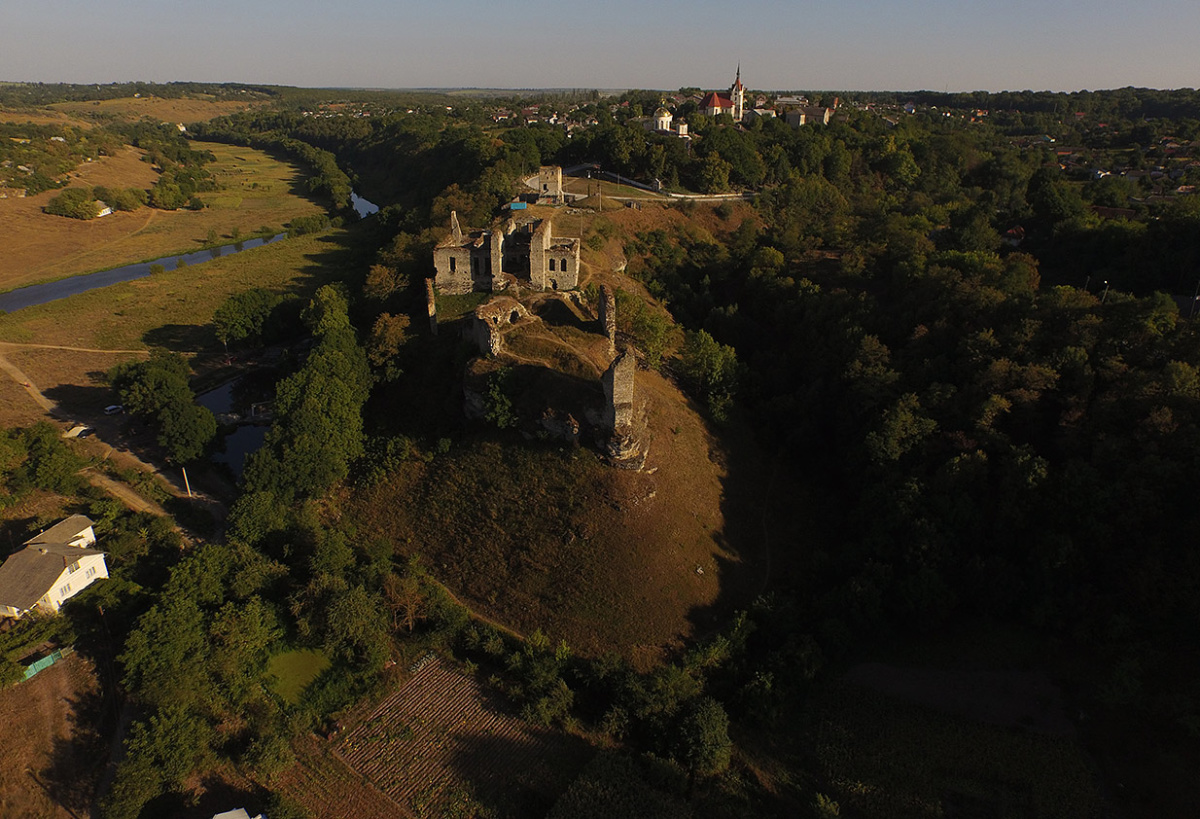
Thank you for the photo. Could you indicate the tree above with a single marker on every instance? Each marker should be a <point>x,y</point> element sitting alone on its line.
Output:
<point>75,203</point>
<point>244,316</point>
<point>405,596</point>
<point>185,430</point>
<point>167,196</point>
<point>704,744</point>
<point>902,427</point>
<point>712,174</point>
<point>711,368</point>
<point>388,335</point>
<point>355,628</point>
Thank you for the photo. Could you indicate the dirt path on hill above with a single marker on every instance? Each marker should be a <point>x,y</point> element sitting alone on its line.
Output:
<point>21,378</point>
<point>119,490</point>
<point>122,492</point>
<point>21,345</point>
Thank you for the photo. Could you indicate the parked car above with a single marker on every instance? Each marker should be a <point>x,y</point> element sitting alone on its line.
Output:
<point>114,409</point>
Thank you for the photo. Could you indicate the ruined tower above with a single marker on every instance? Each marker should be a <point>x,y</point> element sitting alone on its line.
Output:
<point>620,439</point>
<point>431,304</point>
<point>618,392</point>
<point>608,317</point>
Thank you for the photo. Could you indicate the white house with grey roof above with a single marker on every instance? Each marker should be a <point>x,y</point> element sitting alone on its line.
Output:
<point>55,565</point>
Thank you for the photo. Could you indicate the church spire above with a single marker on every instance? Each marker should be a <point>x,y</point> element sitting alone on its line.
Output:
<point>737,95</point>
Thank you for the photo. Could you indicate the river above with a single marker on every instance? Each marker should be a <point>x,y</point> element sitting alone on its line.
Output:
<point>53,291</point>
<point>362,207</point>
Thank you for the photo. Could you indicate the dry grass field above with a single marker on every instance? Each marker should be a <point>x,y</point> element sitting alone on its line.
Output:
<point>255,190</point>
<point>50,760</point>
<point>185,110</point>
<point>539,536</point>
<point>41,116</point>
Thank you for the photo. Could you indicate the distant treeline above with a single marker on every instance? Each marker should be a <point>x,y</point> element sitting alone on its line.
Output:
<point>1118,103</point>
<point>38,93</point>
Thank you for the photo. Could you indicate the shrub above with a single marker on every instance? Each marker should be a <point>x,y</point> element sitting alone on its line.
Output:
<point>74,203</point>
<point>308,224</point>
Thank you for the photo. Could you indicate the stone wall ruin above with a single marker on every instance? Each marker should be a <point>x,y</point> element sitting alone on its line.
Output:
<point>484,260</point>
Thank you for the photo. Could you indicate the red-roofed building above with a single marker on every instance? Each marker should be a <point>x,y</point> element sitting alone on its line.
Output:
<point>733,103</point>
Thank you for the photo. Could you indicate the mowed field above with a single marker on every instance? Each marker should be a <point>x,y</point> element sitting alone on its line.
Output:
<point>255,190</point>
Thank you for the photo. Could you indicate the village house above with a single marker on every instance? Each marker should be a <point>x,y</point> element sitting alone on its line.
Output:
<point>807,115</point>
<point>51,568</point>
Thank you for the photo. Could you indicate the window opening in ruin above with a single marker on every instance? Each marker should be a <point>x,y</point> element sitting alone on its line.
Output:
<point>452,265</point>
<point>551,265</point>
<point>512,319</point>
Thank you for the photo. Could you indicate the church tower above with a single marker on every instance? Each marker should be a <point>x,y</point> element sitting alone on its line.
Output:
<point>737,95</point>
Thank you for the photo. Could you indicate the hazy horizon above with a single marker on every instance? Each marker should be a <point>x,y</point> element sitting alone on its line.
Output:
<point>859,45</point>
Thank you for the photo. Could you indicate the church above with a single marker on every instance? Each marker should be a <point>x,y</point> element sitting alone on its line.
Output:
<point>733,104</point>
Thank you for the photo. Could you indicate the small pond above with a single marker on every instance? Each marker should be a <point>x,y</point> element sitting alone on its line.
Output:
<point>235,397</point>
<point>361,206</point>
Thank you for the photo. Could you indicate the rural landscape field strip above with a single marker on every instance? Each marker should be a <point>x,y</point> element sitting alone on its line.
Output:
<point>414,746</point>
<point>330,790</point>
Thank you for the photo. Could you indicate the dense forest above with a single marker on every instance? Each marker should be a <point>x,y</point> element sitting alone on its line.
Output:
<point>949,328</point>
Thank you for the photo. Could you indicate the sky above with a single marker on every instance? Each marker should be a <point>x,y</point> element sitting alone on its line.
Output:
<point>901,45</point>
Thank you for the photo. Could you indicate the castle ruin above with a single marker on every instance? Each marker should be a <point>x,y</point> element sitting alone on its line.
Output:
<point>487,261</point>
<point>620,439</point>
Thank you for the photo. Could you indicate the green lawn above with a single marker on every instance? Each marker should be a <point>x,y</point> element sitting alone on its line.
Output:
<point>294,670</point>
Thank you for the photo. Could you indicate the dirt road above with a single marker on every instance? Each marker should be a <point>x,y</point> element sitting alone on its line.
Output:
<point>21,378</point>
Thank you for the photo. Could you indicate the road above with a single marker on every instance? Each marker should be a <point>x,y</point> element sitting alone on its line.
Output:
<point>122,492</point>
<point>17,375</point>
<point>117,489</point>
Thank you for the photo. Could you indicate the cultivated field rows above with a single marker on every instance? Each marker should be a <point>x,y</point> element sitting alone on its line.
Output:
<point>441,738</point>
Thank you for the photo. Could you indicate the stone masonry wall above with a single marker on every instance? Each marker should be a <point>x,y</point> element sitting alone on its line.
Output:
<point>608,317</point>
<point>618,392</point>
